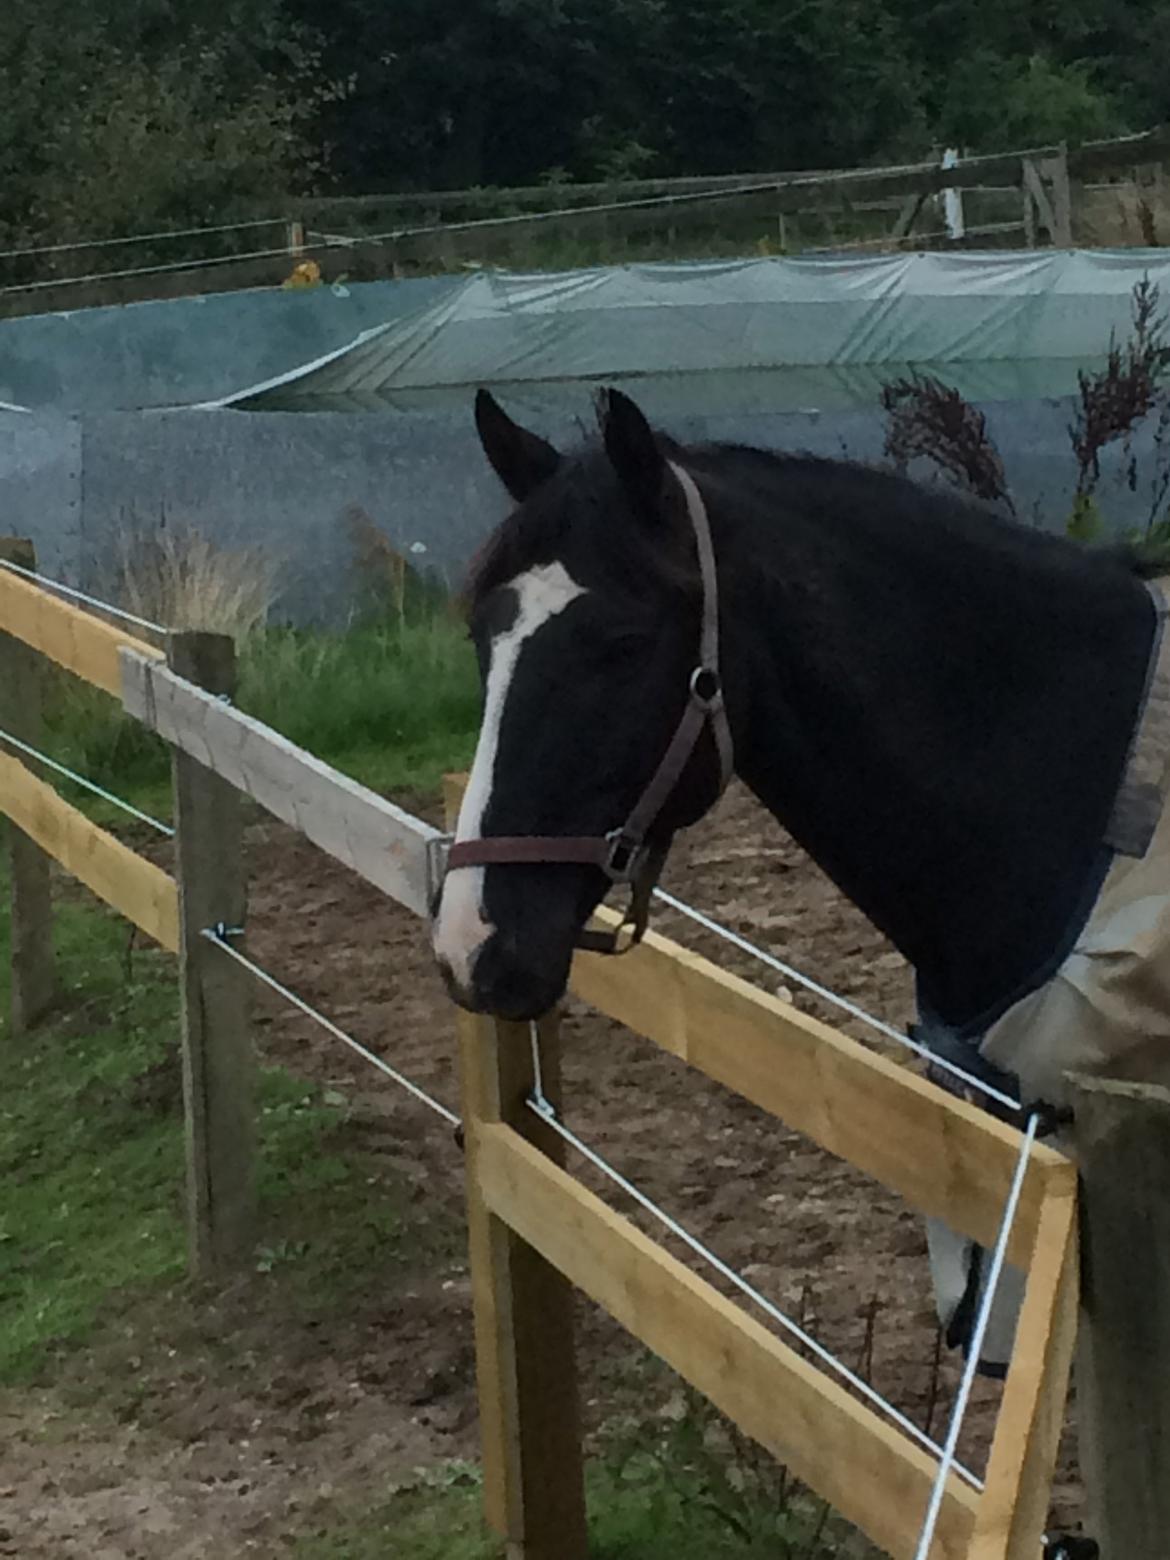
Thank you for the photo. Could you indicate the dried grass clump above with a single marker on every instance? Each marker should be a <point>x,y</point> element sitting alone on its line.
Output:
<point>1115,401</point>
<point>176,576</point>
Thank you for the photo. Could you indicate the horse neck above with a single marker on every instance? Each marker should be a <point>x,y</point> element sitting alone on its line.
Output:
<point>941,720</point>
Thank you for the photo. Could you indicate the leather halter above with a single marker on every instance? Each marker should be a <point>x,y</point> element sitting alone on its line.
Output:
<point>623,854</point>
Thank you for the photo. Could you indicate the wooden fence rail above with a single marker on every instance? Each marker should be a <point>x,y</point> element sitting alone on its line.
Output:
<point>625,209</point>
<point>1044,176</point>
<point>136,888</point>
<point>534,1230</point>
<point>379,841</point>
<point>945,1157</point>
<point>998,169</point>
<point>78,641</point>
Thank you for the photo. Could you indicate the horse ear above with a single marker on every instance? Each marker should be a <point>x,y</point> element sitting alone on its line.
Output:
<point>520,459</point>
<point>633,453</point>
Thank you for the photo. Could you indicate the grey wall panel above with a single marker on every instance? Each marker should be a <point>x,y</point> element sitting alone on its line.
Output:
<point>41,487</point>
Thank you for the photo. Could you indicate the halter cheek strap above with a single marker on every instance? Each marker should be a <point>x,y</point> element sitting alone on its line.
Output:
<point>623,854</point>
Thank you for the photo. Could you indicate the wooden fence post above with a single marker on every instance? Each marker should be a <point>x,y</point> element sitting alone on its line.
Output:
<point>218,1065</point>
<point>33,975</point>
<point>1055,170</point>
<point>1123,1389</point>
<point>534,1494</point>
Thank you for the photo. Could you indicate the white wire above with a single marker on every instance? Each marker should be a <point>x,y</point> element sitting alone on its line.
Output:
<point>538,1070</point>
<point>151,270</point>
<point>219,939</point>
<point>80,595</point>
<point>140,238</point>
<point>544,1108</point>
<point>975,1345</point>
<point>843,1003</point>
<point>88,785</point>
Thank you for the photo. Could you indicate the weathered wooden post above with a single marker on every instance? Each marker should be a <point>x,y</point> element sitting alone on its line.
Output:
<point>296,239</point>
<point>33,975</point>
<point>528,1402</point>
<point>1123,1389</point>
<point>1047,197</point>
<point>218,1065</point>
<point>1055,170</point>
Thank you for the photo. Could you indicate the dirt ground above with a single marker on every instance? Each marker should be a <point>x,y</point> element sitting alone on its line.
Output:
<point>225,1462</point>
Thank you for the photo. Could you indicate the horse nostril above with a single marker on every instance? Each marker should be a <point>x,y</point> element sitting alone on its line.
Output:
<point>512,985</point>
<point>457,993</point>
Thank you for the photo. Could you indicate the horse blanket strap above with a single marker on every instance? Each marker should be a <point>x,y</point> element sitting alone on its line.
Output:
<point>1143,787</point>
<point>623,854</point>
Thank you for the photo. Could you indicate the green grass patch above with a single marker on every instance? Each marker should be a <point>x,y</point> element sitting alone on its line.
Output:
<point>393,702</point>
<point>682,1486</point>
<point>92,1171</point>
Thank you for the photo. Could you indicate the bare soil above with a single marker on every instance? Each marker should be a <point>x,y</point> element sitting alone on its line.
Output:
<point>248,1426</point>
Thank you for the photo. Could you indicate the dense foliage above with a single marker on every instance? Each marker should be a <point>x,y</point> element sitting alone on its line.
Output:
<point>127,113</point>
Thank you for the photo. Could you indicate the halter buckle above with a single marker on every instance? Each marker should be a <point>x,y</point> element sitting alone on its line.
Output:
<point>624,857</point>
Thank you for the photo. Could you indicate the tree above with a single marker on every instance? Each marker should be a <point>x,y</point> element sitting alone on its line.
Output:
<point>118,121</point>
<point>124,113</point>
<point>463,92</point>
<point>995,103</point>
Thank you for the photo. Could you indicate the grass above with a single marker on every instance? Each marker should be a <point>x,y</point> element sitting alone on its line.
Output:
<point>680,1486</point>
<point>393,701</point>
<point>171,573</point>
<point>92,1277</point>
<point>91,1162</point>
<point>90,1178</point>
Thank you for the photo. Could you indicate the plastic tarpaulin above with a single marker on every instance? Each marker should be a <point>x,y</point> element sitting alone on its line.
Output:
<point>1054,307</point>
<point>175,351</point>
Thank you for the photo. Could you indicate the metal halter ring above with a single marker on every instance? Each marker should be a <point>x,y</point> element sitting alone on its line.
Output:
<point>706,687</point>
<point>438,848</point>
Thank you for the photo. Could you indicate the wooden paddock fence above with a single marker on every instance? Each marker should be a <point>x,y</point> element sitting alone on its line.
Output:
<point>535,1232</point>
<point>382,235</point>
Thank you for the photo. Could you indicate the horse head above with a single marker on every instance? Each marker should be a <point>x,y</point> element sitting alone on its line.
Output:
<point>589,610</point>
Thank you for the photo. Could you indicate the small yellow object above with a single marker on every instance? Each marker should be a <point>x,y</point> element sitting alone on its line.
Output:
<point>307,274</point>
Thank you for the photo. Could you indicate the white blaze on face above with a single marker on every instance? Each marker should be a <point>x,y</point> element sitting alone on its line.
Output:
<point>461,928</point>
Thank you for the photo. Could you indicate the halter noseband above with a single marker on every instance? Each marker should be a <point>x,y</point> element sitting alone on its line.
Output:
<point>623,854</point>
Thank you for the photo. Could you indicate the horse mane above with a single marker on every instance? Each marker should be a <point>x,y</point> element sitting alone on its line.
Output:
<point>582,502</point>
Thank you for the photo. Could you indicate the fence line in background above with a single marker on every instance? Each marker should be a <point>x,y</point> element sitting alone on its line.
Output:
<point>1041,175</point>
<point>143,238</point>
<point>1091,157</point>
<point>168,268</point>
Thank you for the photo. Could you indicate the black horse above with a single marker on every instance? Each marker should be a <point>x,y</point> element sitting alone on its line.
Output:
<point>938,704</point>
